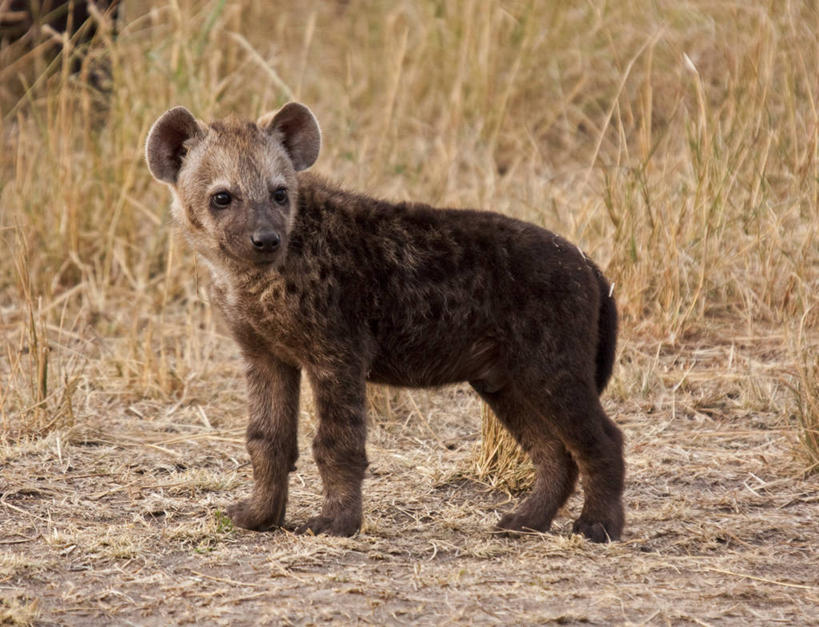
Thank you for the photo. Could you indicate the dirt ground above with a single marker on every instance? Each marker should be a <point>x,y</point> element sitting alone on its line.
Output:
<point>120,520</point>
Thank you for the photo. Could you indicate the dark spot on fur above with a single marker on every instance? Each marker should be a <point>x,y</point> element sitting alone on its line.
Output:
<point>532,333</point>
<point>432,272</point>
<point>468,258</point>
<point>333,245</point>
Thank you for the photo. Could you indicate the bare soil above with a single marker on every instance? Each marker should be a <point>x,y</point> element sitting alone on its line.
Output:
<point>119,520</point>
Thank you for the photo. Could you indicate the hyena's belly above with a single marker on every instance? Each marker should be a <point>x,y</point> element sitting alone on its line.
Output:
<point>424,363</point>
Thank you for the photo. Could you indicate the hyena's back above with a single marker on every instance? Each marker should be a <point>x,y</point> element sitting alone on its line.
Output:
<point>438,296</point>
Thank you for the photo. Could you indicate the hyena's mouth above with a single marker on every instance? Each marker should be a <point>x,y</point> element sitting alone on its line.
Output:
<point>266,258</point>
<point>251,257</point>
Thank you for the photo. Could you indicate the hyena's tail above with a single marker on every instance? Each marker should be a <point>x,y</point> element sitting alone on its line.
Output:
<point>606,332</point>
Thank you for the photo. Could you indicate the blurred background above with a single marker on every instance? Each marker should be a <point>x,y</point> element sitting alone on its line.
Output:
<point>674,141</point>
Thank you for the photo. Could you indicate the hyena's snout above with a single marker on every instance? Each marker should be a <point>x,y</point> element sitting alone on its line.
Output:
<point>265,234</point>
<point>265,240</point>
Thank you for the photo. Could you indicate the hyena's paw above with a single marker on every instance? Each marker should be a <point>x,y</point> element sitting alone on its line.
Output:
<point>332,526</point>
<point>248,515</point>
<point>601,528</point>
<point>516,523</point>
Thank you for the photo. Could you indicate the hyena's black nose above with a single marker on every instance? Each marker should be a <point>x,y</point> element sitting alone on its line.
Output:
<point>265,240</point>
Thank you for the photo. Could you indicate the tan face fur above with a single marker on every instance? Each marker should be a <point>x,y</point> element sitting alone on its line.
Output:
<point>234,183</point>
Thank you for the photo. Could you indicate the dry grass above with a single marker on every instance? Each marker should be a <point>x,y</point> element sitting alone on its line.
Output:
<point>500,461</point>
<point>676,142</point>
<point>805,352</point>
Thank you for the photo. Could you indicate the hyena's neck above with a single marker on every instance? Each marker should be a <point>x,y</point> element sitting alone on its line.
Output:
<point>231,286</point>
<point>324,206</point>
<point>321,207</point>
<point>317,198</point>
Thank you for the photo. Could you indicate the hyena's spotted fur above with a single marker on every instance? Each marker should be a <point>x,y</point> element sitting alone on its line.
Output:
<point>347,289</point>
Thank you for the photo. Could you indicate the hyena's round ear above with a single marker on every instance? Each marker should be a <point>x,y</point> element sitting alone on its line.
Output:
<point>165,147</point>
<point>298,131</point>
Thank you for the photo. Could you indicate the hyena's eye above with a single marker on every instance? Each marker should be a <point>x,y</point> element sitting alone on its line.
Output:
<point>221,200</point>
<point>279,195</point>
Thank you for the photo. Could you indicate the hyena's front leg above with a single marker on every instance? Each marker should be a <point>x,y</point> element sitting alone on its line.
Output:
<point>339,451</point>
<point>273,395</point>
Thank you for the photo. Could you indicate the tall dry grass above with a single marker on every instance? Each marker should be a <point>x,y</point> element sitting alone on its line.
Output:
<point>676,142</point>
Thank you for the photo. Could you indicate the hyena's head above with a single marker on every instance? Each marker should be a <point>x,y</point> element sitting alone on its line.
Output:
<point>234,183</point>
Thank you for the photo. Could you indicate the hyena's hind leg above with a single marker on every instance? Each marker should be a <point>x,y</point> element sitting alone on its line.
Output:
<point>570,403</point>
<point>555,470</point>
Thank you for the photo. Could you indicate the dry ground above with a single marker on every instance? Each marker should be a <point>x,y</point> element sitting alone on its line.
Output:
<point>120,520</point>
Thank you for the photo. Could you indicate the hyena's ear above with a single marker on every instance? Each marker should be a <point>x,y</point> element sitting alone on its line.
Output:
<point>165,147</point>
<point>298,132</point>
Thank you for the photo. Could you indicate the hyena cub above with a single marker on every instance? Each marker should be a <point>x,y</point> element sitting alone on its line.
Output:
<point>347,289</point>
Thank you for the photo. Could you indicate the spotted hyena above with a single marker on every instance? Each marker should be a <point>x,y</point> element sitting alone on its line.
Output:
<point>346,289</point>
